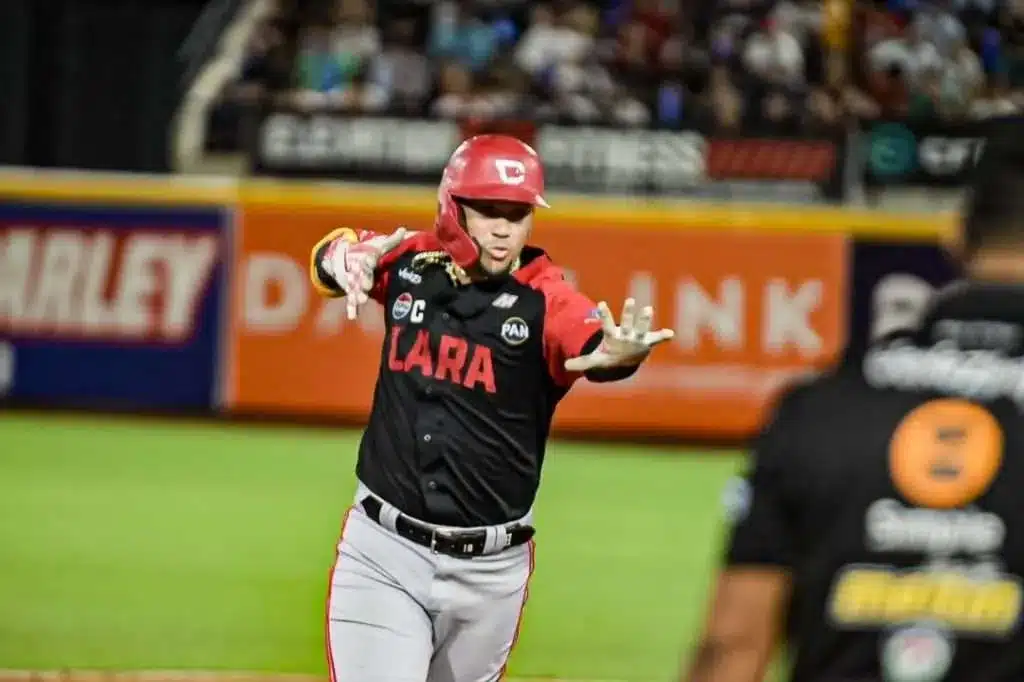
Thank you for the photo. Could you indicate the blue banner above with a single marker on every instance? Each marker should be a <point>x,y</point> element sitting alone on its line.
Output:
<point>111,307</point>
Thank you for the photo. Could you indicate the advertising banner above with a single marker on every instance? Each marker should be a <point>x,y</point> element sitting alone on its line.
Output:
<point>603,160</point>
<point>921,154</point>
<point>891,286</point>
<point>108,306</point>
<point>751,309</point>
<point>691,163</point>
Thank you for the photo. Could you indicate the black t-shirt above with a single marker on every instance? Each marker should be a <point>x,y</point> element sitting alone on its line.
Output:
<point>890,489</point>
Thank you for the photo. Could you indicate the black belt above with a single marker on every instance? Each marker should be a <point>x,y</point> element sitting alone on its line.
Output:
<point>455,543</point>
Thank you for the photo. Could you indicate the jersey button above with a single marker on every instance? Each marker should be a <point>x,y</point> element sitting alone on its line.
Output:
<point>432,485</point>
<point>445,316</point>
<point>427,438</point>
<point>429,391</point>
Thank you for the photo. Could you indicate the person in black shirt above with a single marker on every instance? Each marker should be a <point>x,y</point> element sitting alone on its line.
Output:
<point>484,336</point>
<point>879,530</point>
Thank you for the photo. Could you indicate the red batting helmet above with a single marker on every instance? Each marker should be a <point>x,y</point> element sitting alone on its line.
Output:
<point>491,167</point>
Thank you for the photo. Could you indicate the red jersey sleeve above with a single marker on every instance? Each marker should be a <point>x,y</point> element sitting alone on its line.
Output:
<point>570,322</point>
<point>325,284</point>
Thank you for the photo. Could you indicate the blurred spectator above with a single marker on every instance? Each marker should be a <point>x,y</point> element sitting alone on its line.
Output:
<point>682,62</point>
<point>779,113</point>
<point>683,53</point>
<point>641,40</point>
<point>995,100</point>
<point>805,20</point>
<point>627,108</point>
<point>936,24</point>
<point>671,107</point>
<point>724,107</point>
<point>361,95</point>
<point>859,104</point>
<point>924,97</point>
<point>876,24</point>
<point>503,93</point>
<point>774,55</point>
<point>889,88</point>
<point>1011,29</point>
<point>551,40</point>
<point>401,70</point>
<point>658,19</point>
<point>724,42</point>
<point>962,77</point>
<point>823,112</point>
<point>907,54</point>
<point>801,18</point>
<point>456,33</point>
<point>354,38</point>
<point>581,89</point>
<point>455,92</point>
<point>319,71</point>
<point>990,51</point>
<point>633,51</point>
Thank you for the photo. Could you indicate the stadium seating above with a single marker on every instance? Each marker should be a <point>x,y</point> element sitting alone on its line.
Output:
<point>787,65</point>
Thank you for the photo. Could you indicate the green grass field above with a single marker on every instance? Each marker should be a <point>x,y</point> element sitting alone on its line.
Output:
<point>146,544</point>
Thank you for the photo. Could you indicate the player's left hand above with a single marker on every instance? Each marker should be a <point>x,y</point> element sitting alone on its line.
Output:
<point>625,344</point>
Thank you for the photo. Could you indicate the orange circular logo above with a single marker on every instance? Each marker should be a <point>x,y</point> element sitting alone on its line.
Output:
<point>945,453</point>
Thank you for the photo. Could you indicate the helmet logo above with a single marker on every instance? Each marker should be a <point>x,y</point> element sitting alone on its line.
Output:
<point>511,172</point>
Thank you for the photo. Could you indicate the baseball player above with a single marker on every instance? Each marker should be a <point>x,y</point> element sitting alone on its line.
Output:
<point>879,531</point>
<point>484,337</point>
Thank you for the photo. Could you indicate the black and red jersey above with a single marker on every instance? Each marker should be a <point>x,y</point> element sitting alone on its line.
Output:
<point>469,379</point>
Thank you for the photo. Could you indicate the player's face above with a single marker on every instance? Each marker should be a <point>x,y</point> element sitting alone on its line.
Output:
<point>501,228</point>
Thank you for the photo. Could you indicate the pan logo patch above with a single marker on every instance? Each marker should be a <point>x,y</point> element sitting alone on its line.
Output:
<point>515,331</point>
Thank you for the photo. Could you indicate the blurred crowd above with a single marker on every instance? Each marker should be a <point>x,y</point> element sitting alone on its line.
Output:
<point>784,65</point>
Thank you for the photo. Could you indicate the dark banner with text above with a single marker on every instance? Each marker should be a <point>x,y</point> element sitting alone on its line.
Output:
<point>599,160</point>
<point>921,154</point>
<point>108,305</point>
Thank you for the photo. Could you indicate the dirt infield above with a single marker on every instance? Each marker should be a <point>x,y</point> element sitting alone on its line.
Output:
<point>189,676</point>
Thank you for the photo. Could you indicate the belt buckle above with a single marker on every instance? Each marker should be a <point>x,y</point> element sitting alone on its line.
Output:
<point>434,534</point>
<point>453,536</point>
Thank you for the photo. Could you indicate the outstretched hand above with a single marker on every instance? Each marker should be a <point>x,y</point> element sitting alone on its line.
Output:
<point>625,344</point>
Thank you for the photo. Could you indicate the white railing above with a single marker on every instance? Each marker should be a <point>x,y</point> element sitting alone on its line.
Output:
<point>188,129</point>
<point>199,43</point>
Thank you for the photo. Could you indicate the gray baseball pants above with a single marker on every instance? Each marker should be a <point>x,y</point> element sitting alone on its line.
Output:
<point>397,612</point>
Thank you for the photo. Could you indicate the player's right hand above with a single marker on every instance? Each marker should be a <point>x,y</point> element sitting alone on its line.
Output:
<point>352,265</point>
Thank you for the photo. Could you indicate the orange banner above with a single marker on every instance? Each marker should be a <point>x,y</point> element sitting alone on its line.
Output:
<point>751,309</point>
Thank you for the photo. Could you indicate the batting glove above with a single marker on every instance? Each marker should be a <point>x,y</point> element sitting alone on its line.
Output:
<point>352,265</point>
<point>623,345</point>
